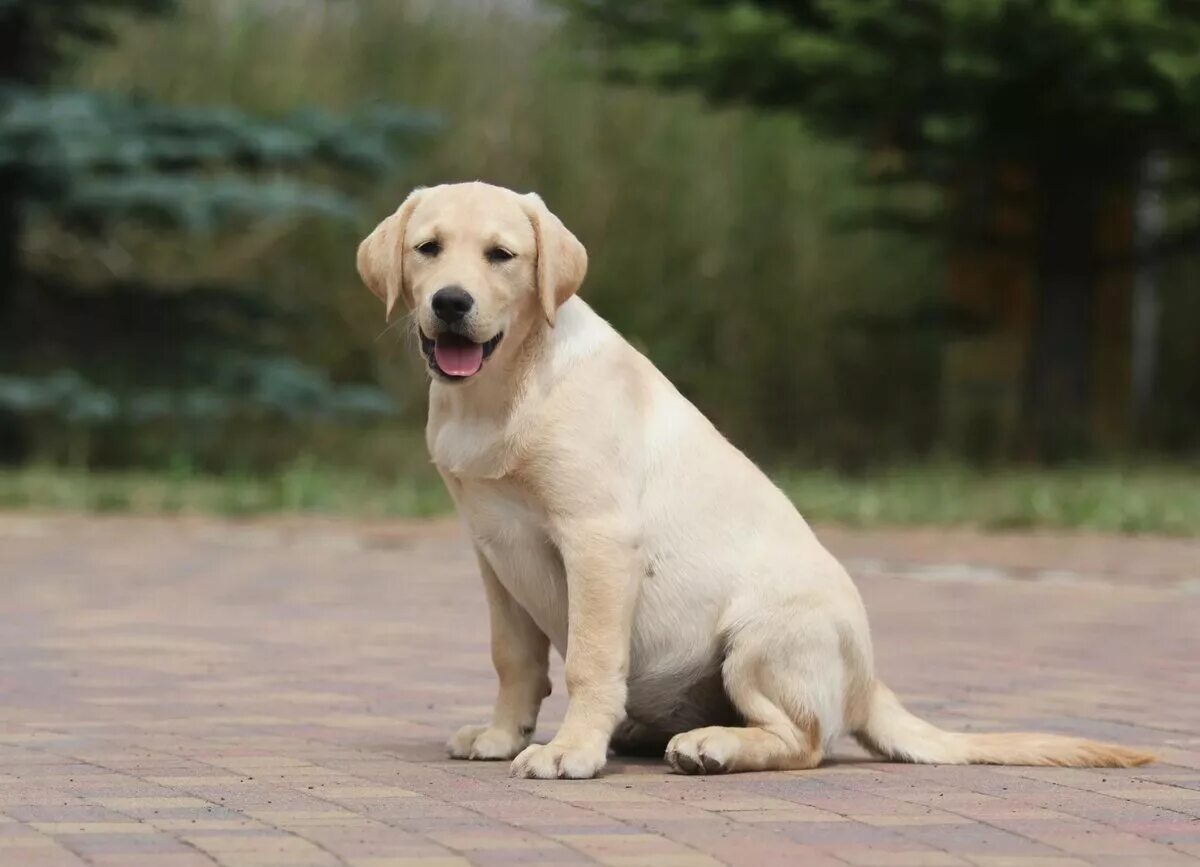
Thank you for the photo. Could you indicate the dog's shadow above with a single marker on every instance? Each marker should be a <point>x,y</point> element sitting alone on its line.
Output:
<point>633,763</point>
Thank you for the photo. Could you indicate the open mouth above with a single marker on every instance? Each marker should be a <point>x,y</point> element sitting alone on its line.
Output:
<point>457,357</point>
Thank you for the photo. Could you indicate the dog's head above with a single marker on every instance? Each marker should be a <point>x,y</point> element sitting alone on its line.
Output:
<point>478,266</point>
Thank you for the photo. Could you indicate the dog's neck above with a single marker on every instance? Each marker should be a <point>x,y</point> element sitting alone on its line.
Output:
<point>478,429</point>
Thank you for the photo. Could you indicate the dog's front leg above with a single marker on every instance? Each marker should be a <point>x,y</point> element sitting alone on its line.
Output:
<point>602,588</point>
<point>521,656</point>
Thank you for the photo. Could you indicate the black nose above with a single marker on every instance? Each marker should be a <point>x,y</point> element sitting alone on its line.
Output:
<point>452,303</point>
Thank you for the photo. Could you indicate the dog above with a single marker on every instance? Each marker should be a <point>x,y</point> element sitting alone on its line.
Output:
<point>698,615</point>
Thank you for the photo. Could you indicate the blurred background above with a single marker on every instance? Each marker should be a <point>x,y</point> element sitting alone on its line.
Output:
<point>928,261</point>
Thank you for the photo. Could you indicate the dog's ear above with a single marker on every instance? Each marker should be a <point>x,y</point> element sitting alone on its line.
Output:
<point>561,259</point>
<point>381,255</point>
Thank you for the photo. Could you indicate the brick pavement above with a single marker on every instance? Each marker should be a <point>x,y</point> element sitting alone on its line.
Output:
<point>191,692</point>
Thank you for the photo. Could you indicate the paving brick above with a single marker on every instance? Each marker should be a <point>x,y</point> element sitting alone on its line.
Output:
<point>194,692</point>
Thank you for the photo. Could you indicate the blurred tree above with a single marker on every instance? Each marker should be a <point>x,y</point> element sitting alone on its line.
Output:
<point>87,166</point>
<point>1035,116</point>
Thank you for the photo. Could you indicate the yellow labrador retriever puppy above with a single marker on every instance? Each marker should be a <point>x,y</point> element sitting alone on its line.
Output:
<point>696,610</point>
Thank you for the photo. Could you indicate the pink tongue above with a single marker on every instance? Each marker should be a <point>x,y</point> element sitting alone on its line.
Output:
<point>458,358</point>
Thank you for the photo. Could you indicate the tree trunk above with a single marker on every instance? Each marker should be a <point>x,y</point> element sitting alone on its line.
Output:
<point>1059,384</point>
<point>1151,217</point>
<point>17,67</point>
<point>11,272</point>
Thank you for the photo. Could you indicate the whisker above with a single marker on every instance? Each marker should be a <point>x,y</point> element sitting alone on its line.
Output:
<point>408,320</point>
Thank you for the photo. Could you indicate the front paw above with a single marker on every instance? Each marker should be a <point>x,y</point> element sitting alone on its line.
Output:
<point>554,761</point>
<point>486,743</point>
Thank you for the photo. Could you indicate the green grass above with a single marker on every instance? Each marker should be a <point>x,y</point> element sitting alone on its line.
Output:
<point>1152,499</point>
<point>297,489</point>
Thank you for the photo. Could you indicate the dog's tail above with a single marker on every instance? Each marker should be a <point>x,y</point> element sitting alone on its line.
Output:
<point>892,732</point>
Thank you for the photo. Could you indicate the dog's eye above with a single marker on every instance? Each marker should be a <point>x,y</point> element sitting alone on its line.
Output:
<point>429,248</point>
<point>497,255</point>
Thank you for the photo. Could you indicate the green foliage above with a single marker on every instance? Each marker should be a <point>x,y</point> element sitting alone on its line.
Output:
<point>1102,81</point>
<point>65,395</point>
<point>1078,93</point>
<point>235,385</point>
<point>93,160</point>
<point>94,168</point>
<point>685,211</point>
<point>1034,119</point>
<point>714,237</point>
<point>41,35</point>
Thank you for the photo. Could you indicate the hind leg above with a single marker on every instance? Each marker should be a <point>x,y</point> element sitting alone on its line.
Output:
<point>785,674</point>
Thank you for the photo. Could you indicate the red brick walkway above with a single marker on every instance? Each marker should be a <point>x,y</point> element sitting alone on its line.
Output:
<point>199,693</point>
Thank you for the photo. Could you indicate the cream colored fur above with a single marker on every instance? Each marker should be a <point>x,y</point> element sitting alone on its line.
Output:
<point>695,609</point>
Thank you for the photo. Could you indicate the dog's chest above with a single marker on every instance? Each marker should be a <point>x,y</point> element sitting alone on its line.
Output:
<point>510,530</point>
<point>469,448</point>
